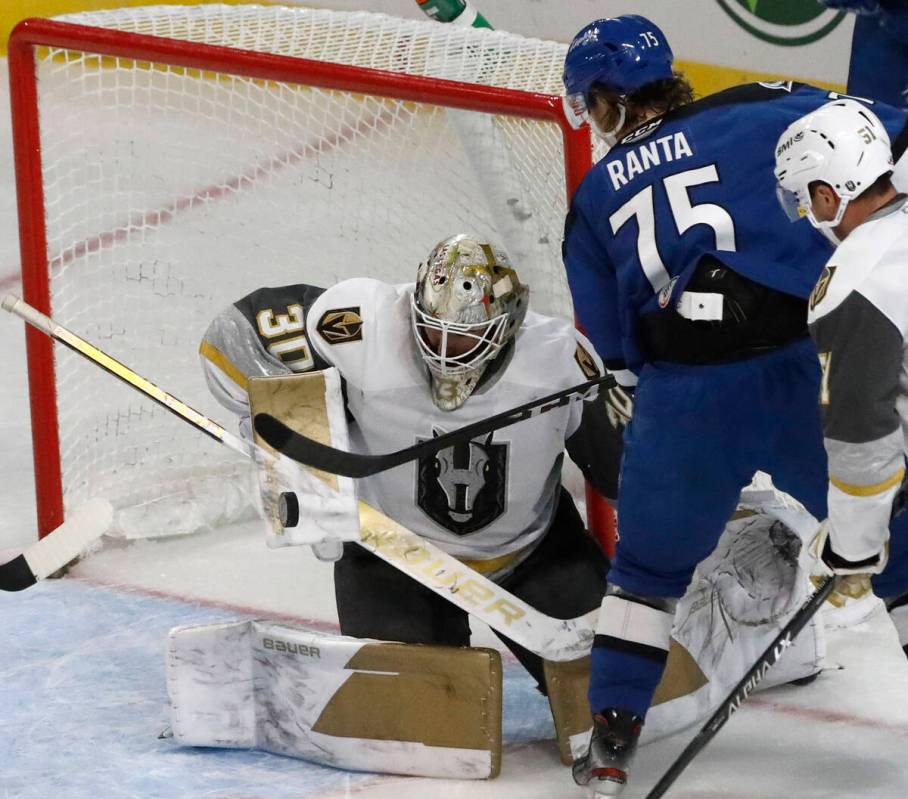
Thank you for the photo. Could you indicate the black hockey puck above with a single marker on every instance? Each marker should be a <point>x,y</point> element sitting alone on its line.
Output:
<point>288,509</point>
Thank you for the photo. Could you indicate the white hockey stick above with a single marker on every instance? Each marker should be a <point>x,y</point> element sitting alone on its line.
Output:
<point>550,638</point>
<point>85,525</point>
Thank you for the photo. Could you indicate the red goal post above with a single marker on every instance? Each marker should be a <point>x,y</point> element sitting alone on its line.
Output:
<point>39,50</point>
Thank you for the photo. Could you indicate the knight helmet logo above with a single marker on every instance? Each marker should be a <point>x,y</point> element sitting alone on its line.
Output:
<point>464,488</point>
<point>341,324</point>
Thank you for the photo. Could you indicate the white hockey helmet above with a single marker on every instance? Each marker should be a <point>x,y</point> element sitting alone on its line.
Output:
<point>467,305</point>
<point>842,144</point>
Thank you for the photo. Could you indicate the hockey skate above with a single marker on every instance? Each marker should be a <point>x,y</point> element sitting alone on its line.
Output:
<point>605,766</point>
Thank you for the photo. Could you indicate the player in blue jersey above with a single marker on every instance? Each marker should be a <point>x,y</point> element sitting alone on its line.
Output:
<point>693,286</point>
<point>879,49</point>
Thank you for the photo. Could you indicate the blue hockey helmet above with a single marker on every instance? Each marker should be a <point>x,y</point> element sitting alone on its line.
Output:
<point>623,53</point>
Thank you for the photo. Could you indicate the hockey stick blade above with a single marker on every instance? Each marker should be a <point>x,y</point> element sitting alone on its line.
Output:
<point>745,687</point>
<point>88,523</point>
<point>351,464</point>
<point>16,575</point>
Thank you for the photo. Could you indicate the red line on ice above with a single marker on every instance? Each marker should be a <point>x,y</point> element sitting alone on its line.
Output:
<point>827,716</point>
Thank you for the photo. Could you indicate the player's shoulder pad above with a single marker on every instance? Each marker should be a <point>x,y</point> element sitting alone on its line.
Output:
<point>272,320</point>
<point>361,326</point>
<point>737,95</point>
<point>276,299</point>
<point>550,351</point>
<point>847,270</point>
<point>347,311</point>
<point>871,261</point>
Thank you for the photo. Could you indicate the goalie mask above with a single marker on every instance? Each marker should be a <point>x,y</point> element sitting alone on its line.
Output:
<point>468,304</point>
<point>842,144</point>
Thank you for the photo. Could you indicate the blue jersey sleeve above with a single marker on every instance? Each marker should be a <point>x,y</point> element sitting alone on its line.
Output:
<point>592,281</point>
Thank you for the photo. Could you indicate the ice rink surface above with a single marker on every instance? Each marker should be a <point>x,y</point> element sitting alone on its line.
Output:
<point>82,692</point>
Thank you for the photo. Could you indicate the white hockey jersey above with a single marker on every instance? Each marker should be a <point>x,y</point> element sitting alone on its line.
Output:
<point>479,501</point>
<point>859,319</point>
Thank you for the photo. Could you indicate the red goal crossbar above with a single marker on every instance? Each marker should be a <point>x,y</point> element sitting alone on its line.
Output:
<point>35,33</point>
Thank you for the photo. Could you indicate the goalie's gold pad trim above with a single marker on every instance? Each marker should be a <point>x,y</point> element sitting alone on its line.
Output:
<point>567,684</point>
<point>682,675</point>
<point>434,695</point>
<point>299,402</point>
<point>868,491</point>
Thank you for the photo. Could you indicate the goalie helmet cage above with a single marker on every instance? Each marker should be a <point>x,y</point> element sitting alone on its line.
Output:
<point>171,159</point>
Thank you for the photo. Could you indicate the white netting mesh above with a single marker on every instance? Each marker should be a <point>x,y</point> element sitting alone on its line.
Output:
<point>171,193</point>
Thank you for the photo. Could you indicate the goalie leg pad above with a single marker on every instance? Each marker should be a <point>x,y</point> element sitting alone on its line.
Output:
<point>426,711</point>
<point>567,684</point>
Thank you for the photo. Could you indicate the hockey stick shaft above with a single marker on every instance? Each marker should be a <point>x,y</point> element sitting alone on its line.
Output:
<point>745,687</point>
<point>351,464</point>
<point>66,337</point>
<point>550,638</point>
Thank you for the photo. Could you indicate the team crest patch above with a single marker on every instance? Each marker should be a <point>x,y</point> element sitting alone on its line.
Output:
<point>586,363</point>
<point>341,324</point>
<point>822,286</point>
<point>464,488</point>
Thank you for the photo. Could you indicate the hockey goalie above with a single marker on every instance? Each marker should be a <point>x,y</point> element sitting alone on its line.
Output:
<point>375,367</point>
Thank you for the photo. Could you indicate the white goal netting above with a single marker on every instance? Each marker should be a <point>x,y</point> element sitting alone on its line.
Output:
<point>170,192</point>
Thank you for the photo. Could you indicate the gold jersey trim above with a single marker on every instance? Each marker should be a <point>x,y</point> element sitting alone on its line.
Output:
<point>493,564</point>
<point>213,354</point>
<point>868,491</point>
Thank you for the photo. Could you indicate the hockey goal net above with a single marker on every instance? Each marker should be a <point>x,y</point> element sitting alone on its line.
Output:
<point>171,159</point>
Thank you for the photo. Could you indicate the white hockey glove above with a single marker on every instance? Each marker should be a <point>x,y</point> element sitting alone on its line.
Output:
<point>830,562</point>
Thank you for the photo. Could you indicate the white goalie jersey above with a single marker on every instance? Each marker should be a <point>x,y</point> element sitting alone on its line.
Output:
<point>481,500</point>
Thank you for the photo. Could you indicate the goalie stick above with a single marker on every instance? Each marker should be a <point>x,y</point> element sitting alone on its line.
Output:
<point>352,464</point>
<point>745,687</point>
<point>550,638</point>
<point>88,523</point>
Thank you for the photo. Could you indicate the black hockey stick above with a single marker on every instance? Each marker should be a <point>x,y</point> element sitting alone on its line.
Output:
<point>351,464</point>
<point>743,689</point>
